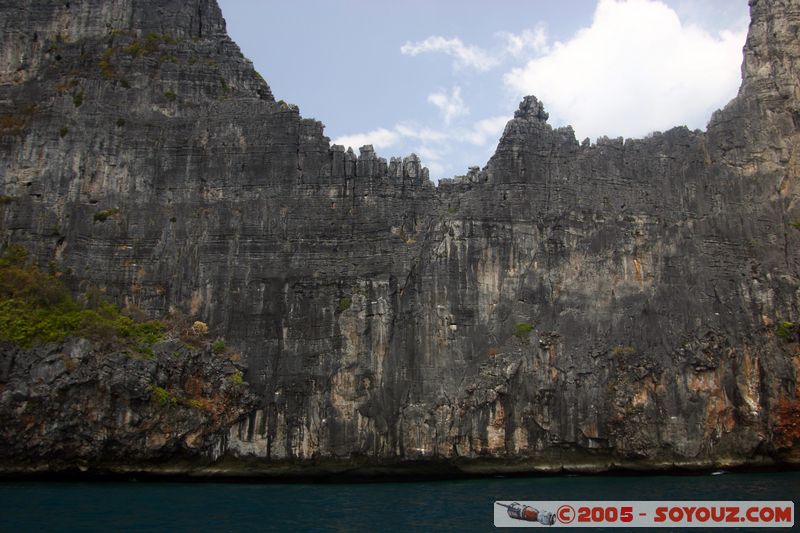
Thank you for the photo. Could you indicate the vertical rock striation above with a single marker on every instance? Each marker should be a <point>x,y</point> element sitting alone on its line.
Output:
<point>570,304</point>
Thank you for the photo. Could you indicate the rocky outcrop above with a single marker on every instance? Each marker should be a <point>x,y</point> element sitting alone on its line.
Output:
<point>72,406</point>
<point>570,305</point>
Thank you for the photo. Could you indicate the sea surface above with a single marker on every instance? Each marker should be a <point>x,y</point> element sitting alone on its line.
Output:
<point>456,505</point>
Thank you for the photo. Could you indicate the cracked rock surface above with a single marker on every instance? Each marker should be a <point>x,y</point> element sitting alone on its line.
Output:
<point>570,304</point>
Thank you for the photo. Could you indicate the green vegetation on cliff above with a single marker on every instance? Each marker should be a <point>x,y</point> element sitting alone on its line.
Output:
<point>102,216</point>
<point>522,330</point>
<point>345,304</point>
<point>218,346</point>
<point>36,308</point>
<point>787,330</point>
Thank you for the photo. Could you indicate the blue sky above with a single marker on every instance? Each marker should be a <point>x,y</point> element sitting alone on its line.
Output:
<point>442,78</point>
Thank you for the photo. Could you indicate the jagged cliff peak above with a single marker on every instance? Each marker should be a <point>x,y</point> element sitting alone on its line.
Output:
<point>531,108</point>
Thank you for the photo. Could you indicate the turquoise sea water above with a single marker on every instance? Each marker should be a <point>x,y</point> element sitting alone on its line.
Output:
<point>457,505</point>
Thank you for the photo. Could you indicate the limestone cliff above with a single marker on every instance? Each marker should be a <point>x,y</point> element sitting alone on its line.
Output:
<point>628,302</point>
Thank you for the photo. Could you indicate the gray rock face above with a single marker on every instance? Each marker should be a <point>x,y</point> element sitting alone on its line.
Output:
<point>69,405</point>
<point>569,304</point>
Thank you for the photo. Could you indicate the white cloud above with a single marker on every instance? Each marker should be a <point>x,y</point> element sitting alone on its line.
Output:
<point>451,106</point>
<point>634,70</point>
<point>436,169</point>
<point>380,138</point>
<point>385,138</point>
<point>415,131</point>
<point>488,129</point>
<point>534,40</point>
<point>465,56</point>
<point>433,158</point>
<point>429,153</point>
<point>471,56</point>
